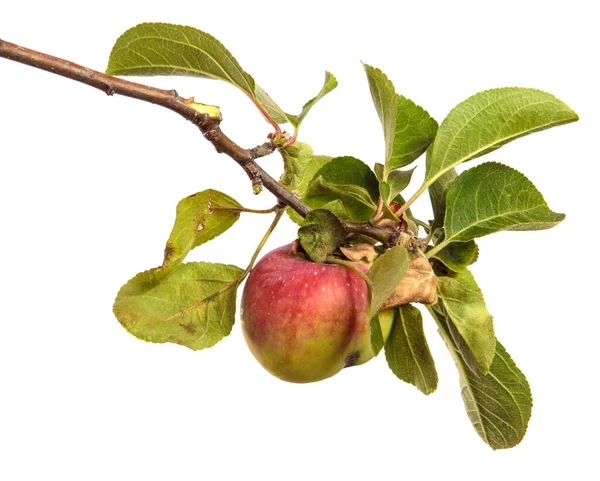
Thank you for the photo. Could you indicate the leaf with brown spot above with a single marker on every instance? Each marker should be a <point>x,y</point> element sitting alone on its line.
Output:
<point>194,306</point>
<point>199,218</point>
<point>417,285</point>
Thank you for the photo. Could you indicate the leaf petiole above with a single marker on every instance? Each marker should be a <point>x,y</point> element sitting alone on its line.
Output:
<point>251,211</point>
<point>278,213</point>
<point>429,254</point>
<point>424,225</point>
<point>416,195</point>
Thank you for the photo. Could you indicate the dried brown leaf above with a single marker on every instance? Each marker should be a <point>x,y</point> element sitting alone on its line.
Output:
<point>360,251</point>
<point>417,285</point>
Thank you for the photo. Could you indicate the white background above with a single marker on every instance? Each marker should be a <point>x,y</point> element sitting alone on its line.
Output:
<point>88,188</point>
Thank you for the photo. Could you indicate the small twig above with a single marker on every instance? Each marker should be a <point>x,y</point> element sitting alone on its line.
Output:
<point>209,126</point>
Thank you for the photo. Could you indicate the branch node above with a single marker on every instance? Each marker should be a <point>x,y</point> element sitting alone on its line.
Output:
<point>211,135</point>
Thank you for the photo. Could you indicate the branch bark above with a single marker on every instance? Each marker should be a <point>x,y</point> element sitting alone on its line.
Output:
<point>209,126</point>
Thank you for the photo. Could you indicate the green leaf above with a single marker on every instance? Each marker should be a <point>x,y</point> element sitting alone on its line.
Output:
<point>490,119</point>
<point>407,352</point>
<point>384,97</point>
<point>282,117</point>
<point>199,218</point>
<point>493,197</point>
<point>399,180</point>
<point>377,341</point>
<point>462,302</point>
<point>498,404</point>
<point>414,132</point>
<point>319,187</point>
<point>267,103</point>
<point>385,192</point>
<point>167,49</point>
<point>437,193</point>
<point>457,256</point>
<point>300,165</point>
<point>194,306</point>
<point>346,172</point>
<point>407,129</point>
<point>330,84</point>
<point>386,273</point>
<point>321,235</point>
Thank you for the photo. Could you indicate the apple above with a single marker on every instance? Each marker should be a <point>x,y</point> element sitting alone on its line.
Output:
<point>305,321</point>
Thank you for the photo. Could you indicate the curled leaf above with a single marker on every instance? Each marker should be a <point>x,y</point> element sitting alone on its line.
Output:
<point>321,234</point>
<point>199,218</point>
<point>360,251</point>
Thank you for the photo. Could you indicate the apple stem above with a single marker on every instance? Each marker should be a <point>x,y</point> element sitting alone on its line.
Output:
<point>341,262</point>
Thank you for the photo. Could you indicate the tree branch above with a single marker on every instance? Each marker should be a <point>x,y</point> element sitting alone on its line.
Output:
<point>209,126</point>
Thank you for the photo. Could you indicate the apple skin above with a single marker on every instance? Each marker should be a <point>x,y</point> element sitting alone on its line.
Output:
<point>304,321</point>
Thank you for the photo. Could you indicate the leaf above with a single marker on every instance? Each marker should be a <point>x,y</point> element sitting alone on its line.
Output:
<point>337,208</point>
<point>386,273</point>
<point>437,193</point>
<point>498,404</point>
<point>490,119</point>
<point>194,306</point>
<point>464,306</point>
<point>319,187</point>
<point>414,132</point>
<point>321,234</point>
<point>493,197</point>
<point>407,352</point>
<point>330,84</point>
<point>167,49</point>
<point>300,165</point>
<point>377,342</point>
<point>282,117</point>
<point>350,173</point>
<point>417,285</point>
<point>384,97</point>
<point>198,219</point>
<point>457,256</point>
<point>267,103</point>
<point>398,180</point>
<point>360,251</point>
